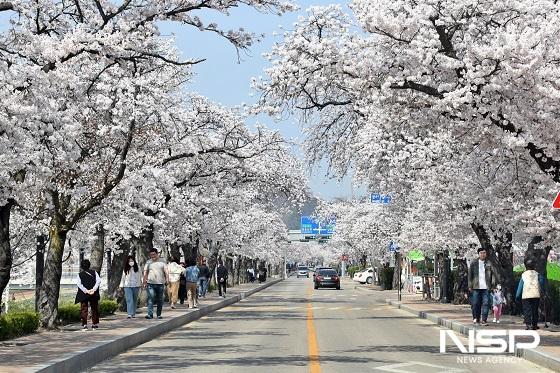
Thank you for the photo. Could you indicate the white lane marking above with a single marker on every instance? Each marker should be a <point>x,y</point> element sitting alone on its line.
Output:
<point>395,368</point>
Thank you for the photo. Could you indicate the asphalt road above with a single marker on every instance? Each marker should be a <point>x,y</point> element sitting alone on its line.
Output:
<point>290,327</point>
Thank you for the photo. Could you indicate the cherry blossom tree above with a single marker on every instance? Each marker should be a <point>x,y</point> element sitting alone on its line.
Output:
<point>80,82</point>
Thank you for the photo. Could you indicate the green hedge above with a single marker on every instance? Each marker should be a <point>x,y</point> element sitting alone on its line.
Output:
<point>554,287</point>
<point>69,312</point>
<point>353,269</point>
<point>17,324</point>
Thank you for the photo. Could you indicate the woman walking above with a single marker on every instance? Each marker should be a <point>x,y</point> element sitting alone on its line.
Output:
<point>131,281</point>
<point>88,282</point>
<point>175,270</point>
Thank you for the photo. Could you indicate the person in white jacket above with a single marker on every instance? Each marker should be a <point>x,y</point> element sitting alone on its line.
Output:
<point>175,270</point>
<point>131,281</point>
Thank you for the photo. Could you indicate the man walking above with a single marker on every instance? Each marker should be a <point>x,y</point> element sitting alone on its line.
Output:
<point>481,280</point>
<point>203,277</point>
<point>155,276</point>
<point>221,276</point>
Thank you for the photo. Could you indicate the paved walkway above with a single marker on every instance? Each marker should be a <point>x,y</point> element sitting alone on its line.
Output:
<point>60,350</point>
<point>459,317</point>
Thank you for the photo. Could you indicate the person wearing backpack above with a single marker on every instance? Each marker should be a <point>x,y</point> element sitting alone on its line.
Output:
<point>191,275</point>
<point>88,282</point>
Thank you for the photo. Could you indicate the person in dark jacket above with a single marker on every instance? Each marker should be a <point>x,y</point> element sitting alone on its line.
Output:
<point>481,282</point>
<point>88,282</point>
<point>182,286</point>
<point>221,277</point>
<point>203,277</point>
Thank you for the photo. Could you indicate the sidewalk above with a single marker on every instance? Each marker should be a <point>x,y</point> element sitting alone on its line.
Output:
<point>459,319</point>
<point>72,349</point>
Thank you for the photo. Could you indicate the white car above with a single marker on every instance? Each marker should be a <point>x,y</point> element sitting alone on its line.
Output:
<point>302,271</point>
<point>365,276</point>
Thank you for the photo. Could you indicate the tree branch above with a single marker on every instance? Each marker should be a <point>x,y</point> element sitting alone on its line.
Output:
<point>6,5</point>
<point>431,91</point>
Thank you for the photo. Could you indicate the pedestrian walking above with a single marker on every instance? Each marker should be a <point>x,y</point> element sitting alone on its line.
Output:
<point>88,282</point>
<point>221,279</point>
<point>155,277</point>
<point>529,290</point>
<point>203,277</point>
<point>498,301</point>
<point>182,286</point>
<point>131,281</point>
<point>175,270</point>
<point>250,275</point>
<point>481,277</point>
<point>191,274</point>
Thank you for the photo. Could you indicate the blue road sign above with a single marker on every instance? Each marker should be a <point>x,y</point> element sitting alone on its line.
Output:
<point>375,198</point>
<point>311,226</point>
<point>393,247</point>
<point>383,199</point>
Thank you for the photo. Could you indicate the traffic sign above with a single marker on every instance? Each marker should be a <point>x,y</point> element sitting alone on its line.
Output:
<point>311,226</point>
<point>556,203</point>
<point>383,199</point>
<point>393,247</point>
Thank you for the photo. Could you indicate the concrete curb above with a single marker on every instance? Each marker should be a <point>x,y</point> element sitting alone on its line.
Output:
<point>85,359</point>
<point>538,357</point>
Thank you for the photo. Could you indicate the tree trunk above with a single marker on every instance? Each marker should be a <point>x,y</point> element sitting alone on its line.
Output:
<point>5,248</point>
<point>175,250</point>
<point>504,257</point>
<point>190,250</point>
<point>48,298</point>
<point>231,274</point>
<point>460,286</point>
<point>98,249</point>
<point>140,246</point>
<point>444,277</point>
<point>116,270</point>
<point>238,270</point>
<point>39,267</point>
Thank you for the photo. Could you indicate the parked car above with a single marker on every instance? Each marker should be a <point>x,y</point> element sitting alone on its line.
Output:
<point>302,271</point>
<point>326,278</point>
<point>365,276</point>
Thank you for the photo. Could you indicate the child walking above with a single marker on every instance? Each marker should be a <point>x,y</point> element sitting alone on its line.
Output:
<point>498,300</point>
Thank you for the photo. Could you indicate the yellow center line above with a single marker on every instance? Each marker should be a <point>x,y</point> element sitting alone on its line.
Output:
<point>314,366</point>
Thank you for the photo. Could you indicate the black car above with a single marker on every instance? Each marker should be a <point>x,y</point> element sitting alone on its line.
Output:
<point>327,278</point>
